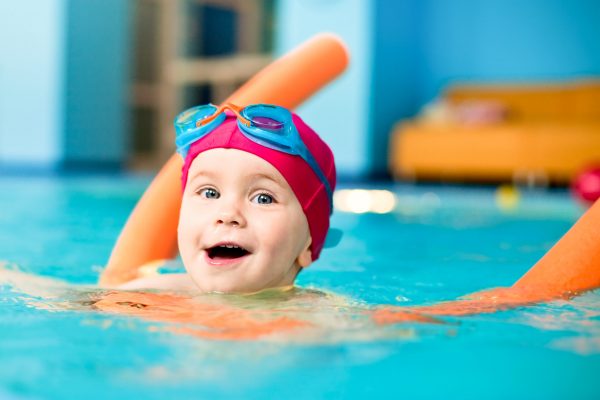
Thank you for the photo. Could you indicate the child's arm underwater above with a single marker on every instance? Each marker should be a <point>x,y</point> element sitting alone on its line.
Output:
<point>570,267</point>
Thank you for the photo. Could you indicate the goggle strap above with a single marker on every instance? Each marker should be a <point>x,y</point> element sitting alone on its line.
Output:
<point>237,110</point>
<point>305,154</point>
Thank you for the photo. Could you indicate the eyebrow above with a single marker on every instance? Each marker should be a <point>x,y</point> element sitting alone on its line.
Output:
<point>254,177</point>
<point>259,176</point>
<point>199,174</point>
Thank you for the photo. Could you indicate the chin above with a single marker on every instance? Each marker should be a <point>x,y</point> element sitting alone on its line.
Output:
<point>227,288</point>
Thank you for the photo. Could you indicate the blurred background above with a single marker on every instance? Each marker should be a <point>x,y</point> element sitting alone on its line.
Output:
<point>437,90</point>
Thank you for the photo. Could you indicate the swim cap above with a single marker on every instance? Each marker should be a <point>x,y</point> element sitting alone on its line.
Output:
<point>305,184</point>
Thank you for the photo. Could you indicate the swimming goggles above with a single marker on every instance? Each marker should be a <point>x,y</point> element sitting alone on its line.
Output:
<point>268,125</point>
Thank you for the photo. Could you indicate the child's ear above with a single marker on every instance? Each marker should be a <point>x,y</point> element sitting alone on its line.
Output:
<point>305,257</point>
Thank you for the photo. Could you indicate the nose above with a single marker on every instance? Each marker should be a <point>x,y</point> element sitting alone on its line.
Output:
<point>231,214</point>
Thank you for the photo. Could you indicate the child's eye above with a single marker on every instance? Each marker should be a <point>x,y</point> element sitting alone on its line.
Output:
<point>263,198</point>
<point>209,193</point>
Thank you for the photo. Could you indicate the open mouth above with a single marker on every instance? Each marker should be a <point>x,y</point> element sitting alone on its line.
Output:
<point>226,252</point>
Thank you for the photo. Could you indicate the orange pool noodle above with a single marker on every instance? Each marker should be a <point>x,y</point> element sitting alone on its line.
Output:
<point>572,265</point>
<point>150,233</point>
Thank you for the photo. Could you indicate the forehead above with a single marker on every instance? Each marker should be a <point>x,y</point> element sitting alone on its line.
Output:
<point>234,163</point>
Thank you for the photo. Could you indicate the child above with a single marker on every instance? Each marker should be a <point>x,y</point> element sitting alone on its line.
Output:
<point>257,196</point>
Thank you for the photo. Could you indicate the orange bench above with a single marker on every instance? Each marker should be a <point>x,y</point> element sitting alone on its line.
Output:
<point>550,132</point>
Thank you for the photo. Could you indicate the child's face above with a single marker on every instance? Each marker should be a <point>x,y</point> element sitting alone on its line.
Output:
<point>241,228</point>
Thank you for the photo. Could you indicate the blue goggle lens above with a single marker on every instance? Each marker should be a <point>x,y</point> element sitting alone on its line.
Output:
<point>268,124</point>
<point>188,119</point>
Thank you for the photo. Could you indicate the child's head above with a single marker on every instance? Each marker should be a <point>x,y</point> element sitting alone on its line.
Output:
<point>252,216</point>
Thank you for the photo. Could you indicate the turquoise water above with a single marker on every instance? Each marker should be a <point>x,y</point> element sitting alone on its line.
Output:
<point>437,244</point>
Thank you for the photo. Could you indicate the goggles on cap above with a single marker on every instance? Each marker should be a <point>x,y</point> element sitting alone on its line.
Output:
<point>268,125</point>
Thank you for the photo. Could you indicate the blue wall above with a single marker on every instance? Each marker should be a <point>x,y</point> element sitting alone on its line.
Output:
<point>31,67</point>
<point>97,82</point>
<point>507,40</point>
<point>64,68</point>
<point>340,113</point>
<point>395,89</point>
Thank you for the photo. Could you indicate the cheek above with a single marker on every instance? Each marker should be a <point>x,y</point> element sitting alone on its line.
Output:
<point>184,224</point>
<point>283,234</point>
<point>188,228</point>
<point>273,229</point>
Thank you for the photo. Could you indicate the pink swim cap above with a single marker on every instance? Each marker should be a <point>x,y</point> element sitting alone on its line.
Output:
<point>305,184</point>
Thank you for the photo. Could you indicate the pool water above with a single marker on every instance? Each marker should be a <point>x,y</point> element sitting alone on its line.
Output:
<point>436,244</point>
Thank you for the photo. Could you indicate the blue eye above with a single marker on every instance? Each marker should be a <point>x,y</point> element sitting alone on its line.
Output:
<point>209,193</point>
<point>263,198</point>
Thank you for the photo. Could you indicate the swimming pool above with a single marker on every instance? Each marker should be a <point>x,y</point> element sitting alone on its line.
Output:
<point>436,244</point>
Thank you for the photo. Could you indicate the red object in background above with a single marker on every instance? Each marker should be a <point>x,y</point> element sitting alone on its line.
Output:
<point>586,186</point>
